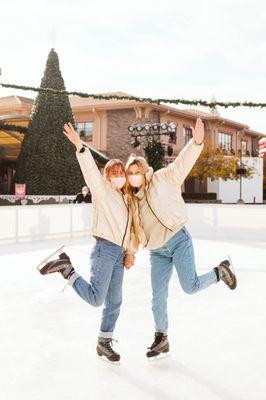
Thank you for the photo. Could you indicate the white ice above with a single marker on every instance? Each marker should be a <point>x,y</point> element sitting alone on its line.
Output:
<point>48,338</point>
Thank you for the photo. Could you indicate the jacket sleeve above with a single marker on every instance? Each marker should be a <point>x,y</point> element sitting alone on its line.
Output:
<point>91,173</point>
<point>179,169</point>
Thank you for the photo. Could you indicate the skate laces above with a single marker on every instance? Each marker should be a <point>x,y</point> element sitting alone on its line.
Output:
<point>108,345</point>
<point>157,340</point>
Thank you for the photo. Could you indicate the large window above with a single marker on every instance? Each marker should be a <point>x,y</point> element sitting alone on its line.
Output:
<point>85,130</point>
<point>187,134</point>
<point>225,141</point>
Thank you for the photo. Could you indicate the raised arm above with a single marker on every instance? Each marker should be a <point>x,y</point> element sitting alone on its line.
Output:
<point>90,171</point>
<point>179,169</point>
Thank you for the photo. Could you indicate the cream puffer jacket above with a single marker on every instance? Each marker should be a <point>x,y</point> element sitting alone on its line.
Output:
<point>111,215</point>
<point>163,190</point>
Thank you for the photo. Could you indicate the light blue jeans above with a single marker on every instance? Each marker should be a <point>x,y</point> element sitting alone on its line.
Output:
<point>176,252</point>
<point>105,286</point>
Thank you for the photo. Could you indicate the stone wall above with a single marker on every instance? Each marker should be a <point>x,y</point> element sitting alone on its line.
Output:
<point>118,138</point>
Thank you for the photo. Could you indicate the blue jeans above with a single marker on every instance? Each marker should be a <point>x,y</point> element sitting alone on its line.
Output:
<point>176,252</point>
<point>105,286</point>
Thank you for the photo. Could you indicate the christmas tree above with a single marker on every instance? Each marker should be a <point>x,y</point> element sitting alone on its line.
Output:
<point>47,161</point>
<point>154,154</point>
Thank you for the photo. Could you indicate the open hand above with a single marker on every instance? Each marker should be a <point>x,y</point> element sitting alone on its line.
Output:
<point>72,135</point>
<point>262,147</point>
<point>198,131</point>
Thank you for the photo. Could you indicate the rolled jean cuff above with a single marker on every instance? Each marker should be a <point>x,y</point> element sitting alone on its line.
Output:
<point>73,278</point>
<point>105,335</point>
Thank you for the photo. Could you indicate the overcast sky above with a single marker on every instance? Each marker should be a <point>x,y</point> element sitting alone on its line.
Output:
<point>170,48</point>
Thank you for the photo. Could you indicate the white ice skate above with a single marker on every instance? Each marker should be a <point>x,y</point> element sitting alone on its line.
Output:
<point>47,259</point>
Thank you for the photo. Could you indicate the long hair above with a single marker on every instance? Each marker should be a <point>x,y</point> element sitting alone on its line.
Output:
<point>129,191</point>
<point>143,166</point>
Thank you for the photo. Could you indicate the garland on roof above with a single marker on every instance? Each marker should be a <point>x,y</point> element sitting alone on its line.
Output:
<point>10,128</point>
<point>197,102</point>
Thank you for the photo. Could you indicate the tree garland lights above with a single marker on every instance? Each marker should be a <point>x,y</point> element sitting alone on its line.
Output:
<point>199,102</point>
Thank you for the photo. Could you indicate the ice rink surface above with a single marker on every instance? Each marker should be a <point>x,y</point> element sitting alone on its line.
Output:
<point>48,338</point>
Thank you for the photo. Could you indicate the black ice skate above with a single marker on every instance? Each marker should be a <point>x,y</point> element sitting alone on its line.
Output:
<point>104,349</point>
<point>61,264</point>
<point>160,346</point>
<point>226,274</point>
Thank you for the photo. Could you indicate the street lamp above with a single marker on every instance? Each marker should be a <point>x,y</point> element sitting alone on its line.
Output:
<point>241,170</point>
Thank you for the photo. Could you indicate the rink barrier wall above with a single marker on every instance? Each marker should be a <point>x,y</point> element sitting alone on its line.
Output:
<point>30,223</point>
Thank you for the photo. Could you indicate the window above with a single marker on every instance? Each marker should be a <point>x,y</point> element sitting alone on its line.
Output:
<point>244,147</point>
<point>225,141</point>
<point>254,143</point>
<point>255,146</point>
<point>187,134</point>
<point>85,129</point>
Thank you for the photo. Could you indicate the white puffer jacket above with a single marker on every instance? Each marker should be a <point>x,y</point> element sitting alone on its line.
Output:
<point>111,215</point>
<point>163,188</point>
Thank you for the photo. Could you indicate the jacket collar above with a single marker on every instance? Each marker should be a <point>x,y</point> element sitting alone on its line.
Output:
<point>149,173</point>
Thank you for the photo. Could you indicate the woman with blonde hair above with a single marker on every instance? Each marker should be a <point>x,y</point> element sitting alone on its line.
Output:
<point>159,217</point>
<point>111,252</point>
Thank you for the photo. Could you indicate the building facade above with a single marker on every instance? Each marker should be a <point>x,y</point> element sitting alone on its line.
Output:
<point>104,125</point>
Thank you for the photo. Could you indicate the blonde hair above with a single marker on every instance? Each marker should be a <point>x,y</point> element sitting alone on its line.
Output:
<point>143,166</point>
<point>109,167</point>
<point>129,190</point>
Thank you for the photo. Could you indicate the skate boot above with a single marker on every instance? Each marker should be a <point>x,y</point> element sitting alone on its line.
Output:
<point>225,273</point>
<point>159,346</point>
<point>61,264</point>
<point>105,349</point>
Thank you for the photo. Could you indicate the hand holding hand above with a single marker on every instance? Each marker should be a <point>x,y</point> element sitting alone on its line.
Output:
<point>129,260</point>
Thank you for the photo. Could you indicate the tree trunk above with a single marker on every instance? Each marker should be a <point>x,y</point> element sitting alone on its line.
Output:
<point>200,184</point>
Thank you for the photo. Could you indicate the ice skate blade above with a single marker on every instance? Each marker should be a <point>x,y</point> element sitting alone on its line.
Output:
<point>105,359</point>
<point>64,288</point>
<point>58,251</point>
<point>161,356</point>
<point>231,263</point>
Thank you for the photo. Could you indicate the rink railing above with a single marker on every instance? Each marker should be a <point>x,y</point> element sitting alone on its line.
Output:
<point>30,223</point>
